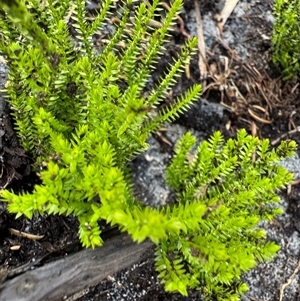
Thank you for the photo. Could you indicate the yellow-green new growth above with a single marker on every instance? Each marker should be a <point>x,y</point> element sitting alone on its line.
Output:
<point>83,114</point>
<point>286,36</point>
<point>236,182</point>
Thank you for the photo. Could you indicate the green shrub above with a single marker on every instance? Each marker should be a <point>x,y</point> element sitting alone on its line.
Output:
<point>286,36</point>
<point>83,114</point>
<point>235,181</point>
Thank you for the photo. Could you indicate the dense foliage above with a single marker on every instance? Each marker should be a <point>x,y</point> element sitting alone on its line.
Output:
<point>231,186</point>
<point>286,36</point>
<point>83,113</point>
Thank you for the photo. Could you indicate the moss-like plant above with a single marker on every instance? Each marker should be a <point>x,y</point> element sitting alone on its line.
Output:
<point>286,36</point>
<point>83,113</point>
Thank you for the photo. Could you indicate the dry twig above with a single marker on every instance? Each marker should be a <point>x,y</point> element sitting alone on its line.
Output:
<point>180,21</point>
<point>225,13</point>
<point>296,130</point>
<point>24,234</point>
<point>201,43</point>
<point>283,287</point>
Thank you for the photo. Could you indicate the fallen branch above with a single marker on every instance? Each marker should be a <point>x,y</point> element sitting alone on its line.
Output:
<point>74,273</point>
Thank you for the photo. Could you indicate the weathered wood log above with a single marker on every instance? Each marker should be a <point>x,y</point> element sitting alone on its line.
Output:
<point>64,277</point>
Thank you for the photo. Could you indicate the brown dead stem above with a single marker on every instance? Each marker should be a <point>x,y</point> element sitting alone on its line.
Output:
<point>285,285</point>
<point>201,44</point>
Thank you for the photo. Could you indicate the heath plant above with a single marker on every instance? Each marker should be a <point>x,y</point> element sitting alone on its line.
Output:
<point>286,36</point>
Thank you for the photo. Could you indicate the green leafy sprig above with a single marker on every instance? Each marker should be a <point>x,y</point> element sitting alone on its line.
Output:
<point>286,36</point>
<point>82,113</point>
<point>236,182</point>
